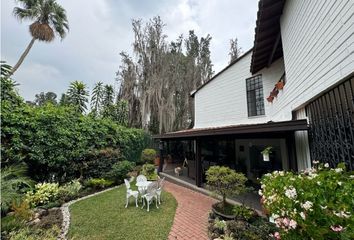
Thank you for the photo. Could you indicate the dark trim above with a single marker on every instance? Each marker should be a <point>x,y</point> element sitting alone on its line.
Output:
<point>198,164</point>
<point>275,46</point>
<point>223,70</point>
<point>267,46</point>
<point>270,127</point>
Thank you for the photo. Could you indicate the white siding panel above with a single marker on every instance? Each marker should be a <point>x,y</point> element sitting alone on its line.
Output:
<point>223,101</point>
<point>317,38</point>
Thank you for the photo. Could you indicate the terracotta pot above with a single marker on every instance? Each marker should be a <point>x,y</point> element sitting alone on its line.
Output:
<point>157,161</point>
<point>279,85</point>
<point>270,99</point>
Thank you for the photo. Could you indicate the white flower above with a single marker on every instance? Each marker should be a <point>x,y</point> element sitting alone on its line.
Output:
<point>307,205</point>
<point>326,165</point>
<point>315,162</point>
<point>260,192</point>
<point>302,214</point>
<point>323,207</point>
<point>338,170</point>
<point>318,183</point>
<point>292,224</point>
<point>340,183</point>
<point>291,193</point>
<point>342,214</point>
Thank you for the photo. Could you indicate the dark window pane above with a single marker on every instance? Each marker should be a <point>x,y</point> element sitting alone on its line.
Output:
<point>255,101</point>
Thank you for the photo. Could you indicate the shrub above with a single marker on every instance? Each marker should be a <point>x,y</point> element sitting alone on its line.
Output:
<point>119,171</point>
<point>96,163</point>
<point>243,212</point>
<point>148,156</point>
<point>55,141</point>
<point>22,210</point>
<point>314,204</point>
<point>225,181</point>
<point>98,183</point>
<point>149,171</point>
<point>69,191</point>
<point>43,194</point>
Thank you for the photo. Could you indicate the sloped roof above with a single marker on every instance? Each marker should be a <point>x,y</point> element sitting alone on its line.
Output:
<point>267,45</point>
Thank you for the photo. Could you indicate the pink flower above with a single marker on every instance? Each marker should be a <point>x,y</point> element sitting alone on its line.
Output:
<point>337,228</point>
<point>277,235</point>
<point>292,224</point>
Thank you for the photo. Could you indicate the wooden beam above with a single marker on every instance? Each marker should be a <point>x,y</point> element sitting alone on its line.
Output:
<point>198,163</point>
<point>275,46</point>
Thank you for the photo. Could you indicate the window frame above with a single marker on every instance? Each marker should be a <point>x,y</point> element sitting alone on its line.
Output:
<point>255,95</point>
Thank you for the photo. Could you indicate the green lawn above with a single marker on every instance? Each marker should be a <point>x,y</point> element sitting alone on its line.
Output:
<point>104,217</point>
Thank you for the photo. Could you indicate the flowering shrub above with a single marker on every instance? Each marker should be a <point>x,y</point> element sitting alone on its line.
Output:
<point>314,204</point>
<point>42,194</point>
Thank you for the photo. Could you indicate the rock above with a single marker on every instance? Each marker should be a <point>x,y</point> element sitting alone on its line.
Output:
<point>34,222</point>
<point>42,212</point>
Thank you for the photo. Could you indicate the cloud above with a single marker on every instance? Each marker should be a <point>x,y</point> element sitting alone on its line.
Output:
<point>99,30</point>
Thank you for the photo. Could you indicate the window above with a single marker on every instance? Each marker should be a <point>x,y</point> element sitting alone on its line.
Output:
<point>255,100</point>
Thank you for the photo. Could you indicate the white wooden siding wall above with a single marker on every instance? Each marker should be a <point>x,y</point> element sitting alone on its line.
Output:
<point>318,46</point>
<point>223,101</point>
<point>302,144</point>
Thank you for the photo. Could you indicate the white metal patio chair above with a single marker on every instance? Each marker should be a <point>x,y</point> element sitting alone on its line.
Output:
<point>141,189</point>
<point>150,195</point>
<point>161,182</point>
<point>130,193</point>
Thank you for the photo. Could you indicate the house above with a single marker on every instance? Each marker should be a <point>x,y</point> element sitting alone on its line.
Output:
<point>292,92</point>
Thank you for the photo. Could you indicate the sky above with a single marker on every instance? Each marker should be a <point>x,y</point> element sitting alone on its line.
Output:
<point>101,29</point>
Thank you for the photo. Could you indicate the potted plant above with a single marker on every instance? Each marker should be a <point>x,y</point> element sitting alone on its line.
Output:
<point>226,182</point>
<point>266,153</point>
<point>274,93</point>
<point>148,155</point>
<point>279,85</point>
<point>270,99</point>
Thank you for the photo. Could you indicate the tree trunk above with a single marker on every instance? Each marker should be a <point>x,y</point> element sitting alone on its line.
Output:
<point>24,54</point>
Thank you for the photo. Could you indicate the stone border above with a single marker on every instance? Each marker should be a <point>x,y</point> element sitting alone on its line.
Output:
<point>66,213</point>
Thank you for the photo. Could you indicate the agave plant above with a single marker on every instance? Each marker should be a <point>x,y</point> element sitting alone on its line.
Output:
<point>49,20</point>
<point>13,178</point>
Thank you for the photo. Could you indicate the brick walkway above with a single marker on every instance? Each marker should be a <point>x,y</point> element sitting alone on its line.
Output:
<point>191,217</point>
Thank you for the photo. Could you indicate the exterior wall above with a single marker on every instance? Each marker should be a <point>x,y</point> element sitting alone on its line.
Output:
<point>318,46</point>
<point>302,145</point>
<point>223,101</point>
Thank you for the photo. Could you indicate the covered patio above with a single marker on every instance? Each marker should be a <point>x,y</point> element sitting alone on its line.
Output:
<point>186,155</point>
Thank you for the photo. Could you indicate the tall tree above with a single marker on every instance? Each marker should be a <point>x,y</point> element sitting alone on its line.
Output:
<point>78,95</point>
<point>157,82</point>
<point>64,100</point>
<point>97,98</point>
<point>235,50</point>
<point>44,98</point>
<point>49,20</point>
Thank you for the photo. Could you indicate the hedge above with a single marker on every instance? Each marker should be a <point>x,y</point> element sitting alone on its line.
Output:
<point>57,143</point>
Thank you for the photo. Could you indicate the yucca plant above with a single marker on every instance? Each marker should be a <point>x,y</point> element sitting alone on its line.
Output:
<point>13,179</point>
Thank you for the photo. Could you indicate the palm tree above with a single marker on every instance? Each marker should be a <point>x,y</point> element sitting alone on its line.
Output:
<point>97,97</point>
<point>12,178</point>
<point>49,20</point>
<point>78,95</point>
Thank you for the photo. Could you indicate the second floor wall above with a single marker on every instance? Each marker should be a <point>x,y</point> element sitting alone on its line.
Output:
<point>223,101</point>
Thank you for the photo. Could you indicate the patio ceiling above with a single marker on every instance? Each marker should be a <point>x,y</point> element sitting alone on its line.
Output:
<point>270,127</point>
